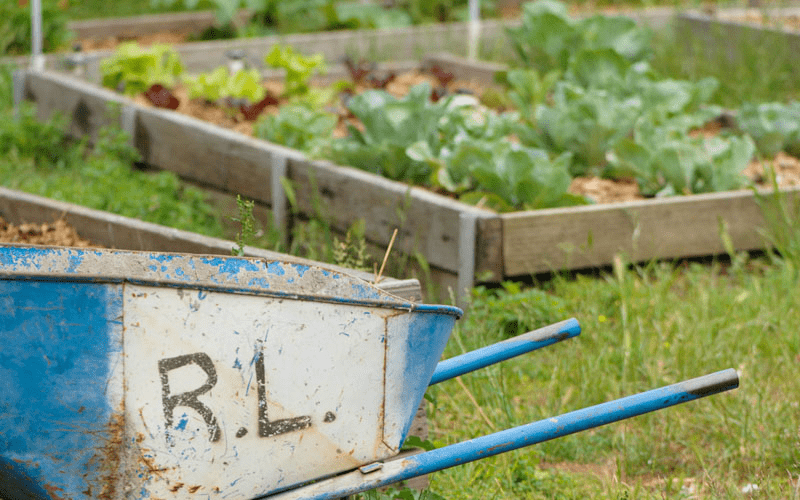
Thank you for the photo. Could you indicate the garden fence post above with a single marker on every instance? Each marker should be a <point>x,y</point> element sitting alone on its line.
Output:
<point>37,59</point>
<point>18,83</point>
<point>467,232</point>
<point>474,29</point>
<point>127,123</point>
<point>279,212</point>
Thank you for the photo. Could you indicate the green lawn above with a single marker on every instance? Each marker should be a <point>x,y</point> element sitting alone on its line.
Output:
<point>96,9</point>
<point>642,328</point>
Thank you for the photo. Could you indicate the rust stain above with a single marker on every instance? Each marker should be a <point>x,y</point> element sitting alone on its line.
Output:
<point>193,489</point>
<point>144,423</point>
<point>52,491</point>
<point>175,488</point>
<point>382,415</point>
<point>150,464</point>
<point>108,458</point>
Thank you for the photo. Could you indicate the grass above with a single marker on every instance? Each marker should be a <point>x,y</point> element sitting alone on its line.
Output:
<point>98,9</point>
<point>765,67</point>
<point>643,327</point>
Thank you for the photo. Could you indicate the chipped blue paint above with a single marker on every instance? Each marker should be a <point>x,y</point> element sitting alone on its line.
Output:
<point>232,266</point>
<point>275,268</point>
<point>182,423</point>
<point>300,269</point>
<point>59,349</point>
<point>427,333</point>
<point>501,351</point>
<point>10,258</point>
<point>259,282</point>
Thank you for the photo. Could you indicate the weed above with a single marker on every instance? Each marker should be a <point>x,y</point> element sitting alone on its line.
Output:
<point>781,213</point>
<point>352,251</point>
<point>247,225</point>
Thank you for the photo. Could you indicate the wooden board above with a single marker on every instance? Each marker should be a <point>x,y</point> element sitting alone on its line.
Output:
<point>88,108</point>
<point>584,237</point>
<point>116,231</point>
<point>132,26</point>
<point>427,223</point>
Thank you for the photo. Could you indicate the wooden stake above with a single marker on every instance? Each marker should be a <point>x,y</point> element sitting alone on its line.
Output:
<point>386,257</point>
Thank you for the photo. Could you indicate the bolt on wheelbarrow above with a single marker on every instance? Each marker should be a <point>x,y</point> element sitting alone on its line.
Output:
<point>154,375</point>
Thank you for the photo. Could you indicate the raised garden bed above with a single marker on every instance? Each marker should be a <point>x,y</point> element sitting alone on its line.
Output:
<point>460,240</point>
<point>726,33</point>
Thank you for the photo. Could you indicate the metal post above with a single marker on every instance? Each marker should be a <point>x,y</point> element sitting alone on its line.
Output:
<point>37,59</point>
<point>467,233</point>
<point>127,122</point>
<point>279,209</point>
<point>18,82</point>
<point>507,349</point>
<point>474,28</point>
<point>511,439</point>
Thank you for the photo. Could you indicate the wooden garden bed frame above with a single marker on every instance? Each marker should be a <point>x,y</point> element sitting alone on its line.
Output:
<point>463,244</point>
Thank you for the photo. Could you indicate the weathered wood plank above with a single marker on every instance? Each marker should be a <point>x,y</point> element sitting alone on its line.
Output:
<point>87,107</point>
<point>481,72</point>
<point>133,26</point>
<point>206,153</point>
<point>116,231</point>
<point>427,222</point>
<point>584,237</point>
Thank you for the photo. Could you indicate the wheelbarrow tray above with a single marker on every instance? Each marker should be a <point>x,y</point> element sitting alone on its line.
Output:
<point>152,375</point>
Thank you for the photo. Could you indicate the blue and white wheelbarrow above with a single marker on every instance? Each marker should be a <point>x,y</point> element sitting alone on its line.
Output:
<point>167,376</point>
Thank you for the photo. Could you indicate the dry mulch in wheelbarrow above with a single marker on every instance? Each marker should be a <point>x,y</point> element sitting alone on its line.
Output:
<point>58,233</point>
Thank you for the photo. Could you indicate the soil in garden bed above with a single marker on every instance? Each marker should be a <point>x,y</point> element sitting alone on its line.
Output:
<point>59,233</point>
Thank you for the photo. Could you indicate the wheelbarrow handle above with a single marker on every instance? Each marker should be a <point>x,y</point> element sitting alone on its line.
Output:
<point>381,474</point>
<point>507,349</point>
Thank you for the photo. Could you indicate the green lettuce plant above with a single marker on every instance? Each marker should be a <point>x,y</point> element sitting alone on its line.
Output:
<point>133,69</point>
<point>297,126</point>
<point>299,68</point>
<point>774,126</point>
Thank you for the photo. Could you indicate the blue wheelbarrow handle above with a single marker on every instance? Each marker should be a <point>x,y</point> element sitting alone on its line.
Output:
<point>380,474</point>
<point>504,350</point>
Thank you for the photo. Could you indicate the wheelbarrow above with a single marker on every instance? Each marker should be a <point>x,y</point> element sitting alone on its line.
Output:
<point>154,375</point>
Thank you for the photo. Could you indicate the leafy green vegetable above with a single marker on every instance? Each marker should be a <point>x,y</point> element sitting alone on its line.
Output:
<point>549,38</point>
<point>501,174</point>
<point>665,160</point>
<point>528,90</point>
<point>297,126</point>
<point>218,84</point>
<point>773,126</point>
<point>133,69</point>
<point>585,122</point>
<point>299,68</point>
<point>209,86</point>
<point>390,125</point>
<point>245,84</point>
